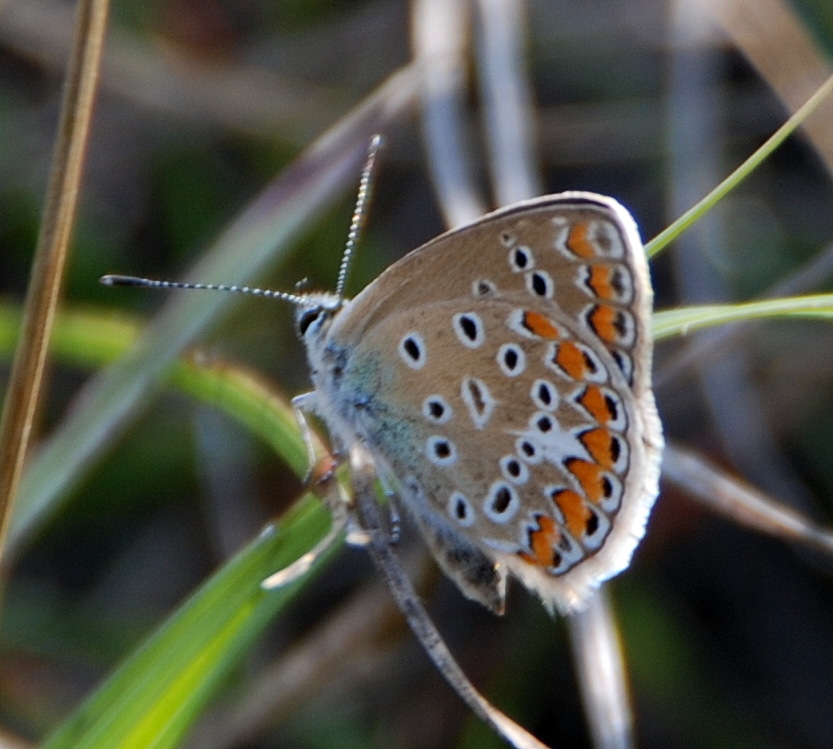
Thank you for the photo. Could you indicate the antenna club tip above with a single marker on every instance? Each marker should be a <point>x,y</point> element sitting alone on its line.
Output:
<point>115,280</point>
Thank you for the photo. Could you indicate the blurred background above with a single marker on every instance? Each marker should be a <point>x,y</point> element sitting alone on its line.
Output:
<point>727,633</point>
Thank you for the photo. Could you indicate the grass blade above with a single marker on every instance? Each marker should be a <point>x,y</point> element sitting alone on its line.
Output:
<point>23,394</point>
<point>685,320</point>
<point>693,214</point>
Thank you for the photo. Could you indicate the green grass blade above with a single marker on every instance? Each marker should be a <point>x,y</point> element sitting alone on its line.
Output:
<point>685,320</point>
<point>696,212</point>
<point>154,697</point>
<point>93,339</point>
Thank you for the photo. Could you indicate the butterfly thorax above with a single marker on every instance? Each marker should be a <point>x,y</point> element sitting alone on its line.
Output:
<point>328,360</point>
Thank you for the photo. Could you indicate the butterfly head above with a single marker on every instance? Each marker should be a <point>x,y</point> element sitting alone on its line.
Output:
<point>314,314</point>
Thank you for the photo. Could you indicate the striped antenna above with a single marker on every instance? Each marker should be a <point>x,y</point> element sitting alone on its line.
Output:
<point>150,283</point>
<point>357,221</point>
<point>356,224</point>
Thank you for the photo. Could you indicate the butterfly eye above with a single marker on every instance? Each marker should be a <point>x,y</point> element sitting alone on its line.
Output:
<point>307,318</point>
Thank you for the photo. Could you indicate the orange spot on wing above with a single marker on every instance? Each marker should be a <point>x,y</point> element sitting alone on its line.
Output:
<point>579,242</point>
<point>576,514</point>
<point>594,400</point>
<point>601,445</point>
<point>540,325</point>
<point>603,319</point>
<point>542,540</point>
<point>601,282</point>
<point>589,476</point>
<point>571,359</point>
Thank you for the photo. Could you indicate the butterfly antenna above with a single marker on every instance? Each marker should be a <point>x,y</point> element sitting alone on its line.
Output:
<point>150,283</point>
<point>357,221</point>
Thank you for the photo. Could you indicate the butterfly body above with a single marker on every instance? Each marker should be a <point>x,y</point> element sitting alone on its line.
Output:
<point>499,380</point>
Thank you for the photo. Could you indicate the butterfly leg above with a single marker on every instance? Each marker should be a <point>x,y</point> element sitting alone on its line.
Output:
<point>322,482</point>
<point>297,569</point>
<point>394,518</point>
<point>320,469</point>
<point>320,479</point>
